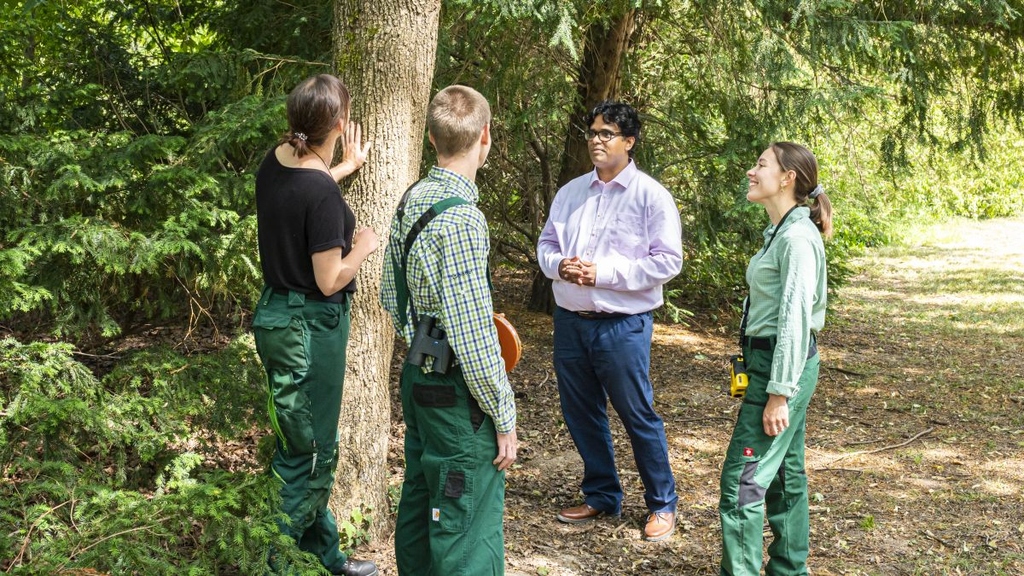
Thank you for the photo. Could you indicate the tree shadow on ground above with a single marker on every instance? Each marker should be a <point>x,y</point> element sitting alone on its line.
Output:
<point>914,434</point>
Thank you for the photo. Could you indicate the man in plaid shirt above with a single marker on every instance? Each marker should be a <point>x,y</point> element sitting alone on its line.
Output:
<point>460,422</point>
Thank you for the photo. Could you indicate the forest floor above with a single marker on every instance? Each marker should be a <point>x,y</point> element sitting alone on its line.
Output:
<point>914,436</point>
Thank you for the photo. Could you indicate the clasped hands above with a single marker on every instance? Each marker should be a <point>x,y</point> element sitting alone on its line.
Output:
<point>578,271</point>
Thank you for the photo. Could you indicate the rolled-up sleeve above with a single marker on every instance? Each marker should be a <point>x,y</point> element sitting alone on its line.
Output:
<point>798,271</point>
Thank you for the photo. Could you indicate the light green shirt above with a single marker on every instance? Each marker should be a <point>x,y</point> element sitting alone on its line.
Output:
<point>787,296</point>
<point>447,276</point>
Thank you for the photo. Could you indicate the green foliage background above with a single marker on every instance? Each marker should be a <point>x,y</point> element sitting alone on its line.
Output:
<point>129,137</point>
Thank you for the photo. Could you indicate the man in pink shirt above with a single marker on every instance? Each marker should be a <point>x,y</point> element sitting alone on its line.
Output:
<point>612,239</point>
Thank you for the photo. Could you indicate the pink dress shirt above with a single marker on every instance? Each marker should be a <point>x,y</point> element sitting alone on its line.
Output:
<point>628,227</point>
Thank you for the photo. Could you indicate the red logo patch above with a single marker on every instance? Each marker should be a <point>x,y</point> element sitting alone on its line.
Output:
<point>748,452</point>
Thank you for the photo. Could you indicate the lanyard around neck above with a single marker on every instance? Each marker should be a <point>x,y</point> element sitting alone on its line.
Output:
<point>746,303</point>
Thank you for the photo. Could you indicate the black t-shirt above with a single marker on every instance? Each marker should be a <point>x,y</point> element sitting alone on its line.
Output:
<point>300,212</point>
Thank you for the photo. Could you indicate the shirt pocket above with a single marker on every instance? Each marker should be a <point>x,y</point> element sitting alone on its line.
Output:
<point>627,233</point>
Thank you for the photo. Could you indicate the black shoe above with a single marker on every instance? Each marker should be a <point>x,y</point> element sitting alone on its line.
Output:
<point>357,568</point>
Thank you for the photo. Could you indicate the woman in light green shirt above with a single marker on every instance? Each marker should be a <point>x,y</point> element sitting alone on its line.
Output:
<point>764,465</point>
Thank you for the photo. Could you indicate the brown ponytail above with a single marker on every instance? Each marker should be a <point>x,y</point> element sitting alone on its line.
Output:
<point>806,190</point>
<point>314,108</point>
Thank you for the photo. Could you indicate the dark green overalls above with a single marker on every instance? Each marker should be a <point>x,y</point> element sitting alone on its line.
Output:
<point>453,498</point>
<point>302,345</point>
<point>762,471</point>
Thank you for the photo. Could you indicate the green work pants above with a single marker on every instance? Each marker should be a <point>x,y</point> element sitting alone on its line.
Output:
<point>302,345</point>
<point>453,498</point>
<point>762,473</point>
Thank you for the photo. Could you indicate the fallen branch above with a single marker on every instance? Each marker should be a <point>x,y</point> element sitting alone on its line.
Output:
<point>882,449</point>
<point>76,552</point>
<point>929,534</point>
<point>854,470</point>
<point>618,529</point>
<point>902,444</point>
<point>842,370</point>
<point>99,356</point>
<point>28,535</point>
<point>859,442</point>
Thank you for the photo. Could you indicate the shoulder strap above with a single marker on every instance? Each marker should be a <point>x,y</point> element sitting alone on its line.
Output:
<point>425,219</point>
<point>746,302</point>
<point>400,267</point>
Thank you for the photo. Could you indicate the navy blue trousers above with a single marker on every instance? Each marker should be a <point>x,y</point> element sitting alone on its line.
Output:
<point>602,360</point>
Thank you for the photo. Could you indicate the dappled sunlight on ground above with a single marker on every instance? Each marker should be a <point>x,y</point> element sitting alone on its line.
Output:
<point>1010,468</point>
<point>703,445</point>
<point>913,435</point>
<point>1000,488</point>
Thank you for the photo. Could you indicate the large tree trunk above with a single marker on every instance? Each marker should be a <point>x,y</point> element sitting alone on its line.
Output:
<point>604,49</point>
<point>385,52</point>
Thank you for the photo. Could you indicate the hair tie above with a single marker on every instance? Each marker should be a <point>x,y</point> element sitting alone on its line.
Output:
<point>300,136</point>
<point>816,192</point>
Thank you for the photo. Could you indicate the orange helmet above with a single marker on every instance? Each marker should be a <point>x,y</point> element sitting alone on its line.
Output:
<point>508,338</point>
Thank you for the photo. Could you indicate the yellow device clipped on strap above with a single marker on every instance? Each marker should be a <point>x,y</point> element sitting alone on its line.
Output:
<point>737,376</point>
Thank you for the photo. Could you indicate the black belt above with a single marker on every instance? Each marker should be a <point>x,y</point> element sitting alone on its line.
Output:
<point>591,315</point>
<point>337,297</point>
<point>768,343</point>
<point>759,343</point>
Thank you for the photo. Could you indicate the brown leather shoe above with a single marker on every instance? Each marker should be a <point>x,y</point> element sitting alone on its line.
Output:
<point>660,525</point>
<point>581,513</point>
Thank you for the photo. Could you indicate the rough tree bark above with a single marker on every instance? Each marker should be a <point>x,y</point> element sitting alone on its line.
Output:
<point>385,53</point>
<point>604,49</point>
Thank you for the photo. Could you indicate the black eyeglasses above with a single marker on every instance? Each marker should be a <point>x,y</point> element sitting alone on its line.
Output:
<point>604,136</point>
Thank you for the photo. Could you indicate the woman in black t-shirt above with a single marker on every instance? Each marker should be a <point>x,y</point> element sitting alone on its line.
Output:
<point>310,253</point>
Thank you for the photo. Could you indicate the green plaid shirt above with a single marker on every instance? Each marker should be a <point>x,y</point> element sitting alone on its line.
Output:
<point>447,278</point>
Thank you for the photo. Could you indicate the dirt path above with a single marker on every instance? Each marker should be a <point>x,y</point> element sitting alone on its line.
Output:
<point>914,436</point>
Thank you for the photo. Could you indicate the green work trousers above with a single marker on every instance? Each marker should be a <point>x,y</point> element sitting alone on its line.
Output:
<point>762,473</point>
<point>302,345</point>
<point>453,498</point>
